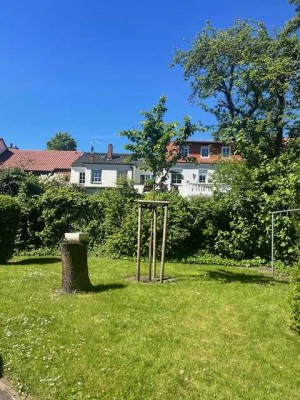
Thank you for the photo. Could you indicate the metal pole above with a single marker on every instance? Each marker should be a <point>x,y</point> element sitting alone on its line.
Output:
<point>154,243</point>
<point>163,250</point>
<point>272,247</point>
<point>138,271</point>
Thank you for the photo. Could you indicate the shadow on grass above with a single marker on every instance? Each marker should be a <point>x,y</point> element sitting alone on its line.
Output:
<point>35,261</point>
<point>105,287</point>
<point>228,277</point>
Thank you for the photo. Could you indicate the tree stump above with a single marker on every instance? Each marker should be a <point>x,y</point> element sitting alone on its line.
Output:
<point>75,275</point>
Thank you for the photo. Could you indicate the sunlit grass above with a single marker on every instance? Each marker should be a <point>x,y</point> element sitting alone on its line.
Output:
<point>213,333</point>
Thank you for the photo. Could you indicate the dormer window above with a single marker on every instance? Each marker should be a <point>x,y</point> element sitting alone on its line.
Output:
<point>226,151</point>
<point>204,152</point>
<point>184,150</point>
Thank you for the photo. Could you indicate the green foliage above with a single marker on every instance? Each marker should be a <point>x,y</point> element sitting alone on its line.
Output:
<point>10,219</point>
<point>256,192</point>
<point>31,225</point>
<point>62,141</point>
<point>180,233</point>
<point>14,180</point>
<point>294,23</point>
<point>63,210</point>
<point>119,216</point>
<point>295,300</point>
<point>152,142</point>
<point>249,80</point>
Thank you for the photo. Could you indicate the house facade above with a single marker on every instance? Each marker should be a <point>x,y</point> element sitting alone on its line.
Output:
<point>95,171</point>
<point>191,176</point>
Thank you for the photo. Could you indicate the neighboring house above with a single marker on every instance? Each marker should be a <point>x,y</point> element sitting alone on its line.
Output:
<point>194,177</point>
<point>191,176</point>
<point>101,170</point>
<point>39,162</point>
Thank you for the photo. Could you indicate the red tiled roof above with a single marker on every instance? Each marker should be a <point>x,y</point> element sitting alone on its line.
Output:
<point>38,160</point>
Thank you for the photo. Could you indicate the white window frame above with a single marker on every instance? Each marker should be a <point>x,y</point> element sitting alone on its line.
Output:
<point>202,173</point>
<point>144,178</point>
<point>202,150</point>
<point>82,177</point>
<point>122,174</point>
<point>226,151</point>
<point>96,175</point>
<point>185,150</point>
<point>178,180</point>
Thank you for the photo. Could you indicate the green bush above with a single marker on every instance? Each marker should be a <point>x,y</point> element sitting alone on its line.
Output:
<point>295,300</point>
<point>10,219</point>
<point>62,210</point>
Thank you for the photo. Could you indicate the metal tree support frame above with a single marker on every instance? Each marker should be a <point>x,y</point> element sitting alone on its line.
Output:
<point>153,205</point>
<point>273,229</point>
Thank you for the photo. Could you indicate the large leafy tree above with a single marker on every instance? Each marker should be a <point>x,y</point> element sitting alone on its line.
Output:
<point>62,141</point>
<point>158,143</point>
<point>294,23</point>
<point>249,80</point>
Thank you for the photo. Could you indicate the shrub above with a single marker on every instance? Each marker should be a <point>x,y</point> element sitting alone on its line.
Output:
<point>63,210</point>
<point>295,301</point>
<point>10,219</point>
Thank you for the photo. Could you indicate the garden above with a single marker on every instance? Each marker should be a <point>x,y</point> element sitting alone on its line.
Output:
<point>221,326</point>
<point>211,332</point>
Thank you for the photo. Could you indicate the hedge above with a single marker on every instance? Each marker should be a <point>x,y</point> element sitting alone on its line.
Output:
<point>10,214</point>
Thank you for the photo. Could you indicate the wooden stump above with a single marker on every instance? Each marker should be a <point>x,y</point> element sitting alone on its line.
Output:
<point>75,275</point>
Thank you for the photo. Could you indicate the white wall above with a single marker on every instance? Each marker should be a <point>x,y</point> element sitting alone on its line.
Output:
<point>109,174</point>
<point>189,172</point>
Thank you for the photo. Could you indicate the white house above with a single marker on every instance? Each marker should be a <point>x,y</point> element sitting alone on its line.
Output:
<point>191,178</point>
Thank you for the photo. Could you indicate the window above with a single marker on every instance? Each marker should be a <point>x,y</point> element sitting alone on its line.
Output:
<point>226,151</point>
<point>176,177</point>
<point>145,178</point>
<point>81,177</point>
<point>96,176</point>
<point>204,151</point>
<point>121,174</point>
<point>184,150</point>
<point>202,175</point>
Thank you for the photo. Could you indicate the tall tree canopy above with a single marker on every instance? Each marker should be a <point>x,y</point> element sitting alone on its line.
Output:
<point>62,141</point>
<point>152,142</point>
<point>249,79</point>
<point>294,23</point>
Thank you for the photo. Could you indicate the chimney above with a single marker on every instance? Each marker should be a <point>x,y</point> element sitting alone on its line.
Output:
<point>109,152</point>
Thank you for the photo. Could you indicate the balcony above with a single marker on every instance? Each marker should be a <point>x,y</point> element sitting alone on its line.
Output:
<point>196,189</point>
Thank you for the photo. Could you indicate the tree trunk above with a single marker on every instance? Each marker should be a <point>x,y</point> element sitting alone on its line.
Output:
<point>75,276</point>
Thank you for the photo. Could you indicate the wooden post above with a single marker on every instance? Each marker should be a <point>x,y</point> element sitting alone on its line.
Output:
<point>153,206</point>
<point>138,269</point>
<point>150,246</point>
<point>163,250</point>
<point>154,243</point>
<point>75,276</point>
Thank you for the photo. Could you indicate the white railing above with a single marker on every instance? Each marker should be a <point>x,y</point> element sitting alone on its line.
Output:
<point>194,189</point>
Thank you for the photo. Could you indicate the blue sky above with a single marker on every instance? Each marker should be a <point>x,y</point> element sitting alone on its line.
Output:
<point>89,67</point>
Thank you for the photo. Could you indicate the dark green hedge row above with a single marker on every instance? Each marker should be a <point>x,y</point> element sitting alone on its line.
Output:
<point>10,214</point>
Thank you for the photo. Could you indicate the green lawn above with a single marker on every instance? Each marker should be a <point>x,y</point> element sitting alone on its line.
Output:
<point>214,333</point>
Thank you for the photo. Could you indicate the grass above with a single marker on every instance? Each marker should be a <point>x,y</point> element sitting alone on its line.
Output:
<point>214,333</point>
